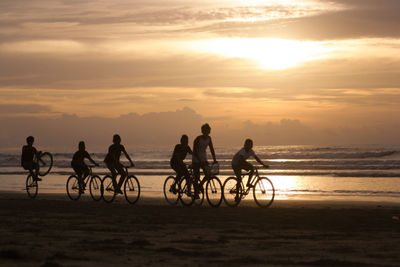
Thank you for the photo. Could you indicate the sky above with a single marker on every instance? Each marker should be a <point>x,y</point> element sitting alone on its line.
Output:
<point>281,72</point>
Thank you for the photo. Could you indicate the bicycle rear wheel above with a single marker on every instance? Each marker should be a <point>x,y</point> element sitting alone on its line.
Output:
<point>31,187</point>
<point>230,192</point>
<point>132,189</point>
<point>107,189</point>
<point>171,190</point>
<point>73,188</point>
<point>45,163</point>
<point>264,192</point>
<point>214,192</point>
<point>95,188</point>
<point>186,194</point>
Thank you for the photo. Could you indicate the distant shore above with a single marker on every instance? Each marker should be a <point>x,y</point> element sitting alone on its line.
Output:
<point>54,231</point>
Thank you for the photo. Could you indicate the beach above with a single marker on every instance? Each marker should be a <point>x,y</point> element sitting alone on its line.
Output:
<point>52,230</point>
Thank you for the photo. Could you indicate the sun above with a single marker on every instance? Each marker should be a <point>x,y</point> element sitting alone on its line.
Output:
<point>268,53</point>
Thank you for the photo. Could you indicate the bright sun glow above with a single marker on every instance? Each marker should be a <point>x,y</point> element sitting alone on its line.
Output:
<point>272,54</point>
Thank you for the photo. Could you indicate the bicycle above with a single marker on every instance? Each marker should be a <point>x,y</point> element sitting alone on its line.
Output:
<point>74,190</point>
<point>44,162</point>
<point>131,188</point>
<point>213,189</point>
<point>263,190</point>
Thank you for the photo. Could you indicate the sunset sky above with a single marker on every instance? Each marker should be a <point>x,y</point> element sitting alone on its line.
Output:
<point>282,72</point>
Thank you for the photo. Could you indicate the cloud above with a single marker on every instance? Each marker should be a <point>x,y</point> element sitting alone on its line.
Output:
<point>64,132</point>
<point>13,109</point>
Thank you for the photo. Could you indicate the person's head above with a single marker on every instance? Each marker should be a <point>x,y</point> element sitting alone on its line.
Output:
<point>184,140</point>
<point>248,144</point>
<point>29,140</point>
<point>82,146</point>
<point>116,139</point>
<point>205,129</point>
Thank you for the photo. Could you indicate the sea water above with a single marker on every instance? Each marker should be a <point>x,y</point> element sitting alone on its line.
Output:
<point>344,172</point>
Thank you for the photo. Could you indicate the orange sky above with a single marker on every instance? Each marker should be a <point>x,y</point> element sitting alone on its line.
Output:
<point>331,67</point>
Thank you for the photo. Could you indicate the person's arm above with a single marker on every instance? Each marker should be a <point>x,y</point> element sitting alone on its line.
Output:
<point>91,160</point>
<point>37,154</point>
<point>127,156</point>
<point>189,150</point>
<point>260,161</point>
<point>196,149</point>
<point>212,150</point>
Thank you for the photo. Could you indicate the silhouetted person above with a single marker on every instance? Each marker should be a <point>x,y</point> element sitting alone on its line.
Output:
<point>199,158</point>
<point>239,162</point>
<point>113,163</point>
<point>29,152</point>
<point>176,162</point>
<point>79,166</point>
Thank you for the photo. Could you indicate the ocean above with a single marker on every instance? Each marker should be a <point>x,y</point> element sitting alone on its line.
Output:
<point>341,172</point>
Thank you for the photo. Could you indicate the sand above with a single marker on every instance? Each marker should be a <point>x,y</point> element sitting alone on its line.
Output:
<point>54,231</point>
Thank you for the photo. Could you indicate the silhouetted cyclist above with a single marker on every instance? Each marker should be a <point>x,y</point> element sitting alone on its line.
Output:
<point>29,152</point>
<point>176,162</point>
<point>79,166</point>
<point>113,163</point>
<point>239,162</point>
<point>199,158</point>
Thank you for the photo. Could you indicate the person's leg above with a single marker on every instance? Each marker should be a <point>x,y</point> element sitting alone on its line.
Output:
<point>248,167</point>
<point>186,175</point>
<point>78,170</point>
<point>33,170</point>
<point>85,174</point>
<point>196,177</point>
<point>111,167</point>
<point>207,173</point>
<point>122,173</point>
<point>238,172</point>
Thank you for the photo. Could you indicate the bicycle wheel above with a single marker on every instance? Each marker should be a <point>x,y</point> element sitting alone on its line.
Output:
<point>31,187</point>
<point>107,189</point>
<point>73,189</point>
<point>230,192</point>
<point>171,190</point>
<point>132,189</point>
<point>264,192</point>
<point>45,163</point>
<point>95,188</point>
<point>214,192</point>
<point>186,194</point>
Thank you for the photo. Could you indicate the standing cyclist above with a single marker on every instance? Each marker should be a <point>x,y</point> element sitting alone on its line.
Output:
<point>199,157</point>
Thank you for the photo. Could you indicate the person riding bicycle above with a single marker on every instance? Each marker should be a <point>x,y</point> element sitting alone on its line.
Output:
<point>27,156</point>
<point>199,157</point>
<point>176,162</point>
<point>113,163</point>
<point>79,166</point>
<point>239,162</point>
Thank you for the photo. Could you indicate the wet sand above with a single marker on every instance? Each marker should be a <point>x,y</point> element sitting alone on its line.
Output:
<point>54,231</point>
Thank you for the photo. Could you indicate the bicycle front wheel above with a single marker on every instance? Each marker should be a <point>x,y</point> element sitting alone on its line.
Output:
<point>45,163</point>
<point>264,192</point>
<point>132,189</point>
<point>171,190</point>
<point>31,186</point>
<point>73,189</point>
<point>231,193</point>
<point>107,189</point>
<point>186,194</point>
<point>214,192</point>
<point>95,188</point>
